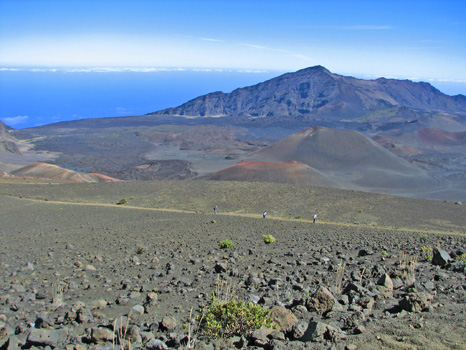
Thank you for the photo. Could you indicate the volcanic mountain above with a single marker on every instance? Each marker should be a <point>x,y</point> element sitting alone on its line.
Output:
<point>290,172</point>
<point>54,172</point>
<point>7,142</point>
<point>348,157</point>
<point>315,92</point>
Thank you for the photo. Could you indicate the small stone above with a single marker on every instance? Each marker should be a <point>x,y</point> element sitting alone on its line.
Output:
<point>416,302</point>
<point>97,304</point>
<point>276,344</point>
<point>43,337</point>
<point>134,335</point>
<point>260,336</point>
<point>284,318</point>
<point>299,329</point>
<point>321,301</point>
<point>168,323</point>
<point>359,329</point>
<point>220,267</point>
<point>102,335</point>
<point>138,309</point>
<point>386,281</point>
<point>429,285</point>
<point>90,268</point>
<point>441,257</point>
<point>319,331</point>
<point>18,288</point>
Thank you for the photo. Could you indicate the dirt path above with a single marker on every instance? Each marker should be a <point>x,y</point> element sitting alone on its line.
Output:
<point>125,206</point>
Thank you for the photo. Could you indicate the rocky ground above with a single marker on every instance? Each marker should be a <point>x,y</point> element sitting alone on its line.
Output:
<point>80,272</point>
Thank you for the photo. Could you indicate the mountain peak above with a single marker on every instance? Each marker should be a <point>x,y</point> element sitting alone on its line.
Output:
<point>315,93</point>
<point>317,68</point>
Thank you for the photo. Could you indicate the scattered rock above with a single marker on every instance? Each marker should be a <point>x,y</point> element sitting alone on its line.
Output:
<point>321,301</point>
<point>416,302</point>
<point>319,331</point>
<point>284,318</point>
<point>385,281</point>
<point>43,337</point>
<point>102,335</point>
<point>168,323</point>
<point>441,257</point>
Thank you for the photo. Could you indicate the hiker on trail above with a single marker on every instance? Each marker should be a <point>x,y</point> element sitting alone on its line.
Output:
<point>264,214</point>
<point>315,218</point>
<point>215,210</point>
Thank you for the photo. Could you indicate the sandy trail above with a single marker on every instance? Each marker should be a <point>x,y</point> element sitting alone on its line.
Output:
<point>258,216</point>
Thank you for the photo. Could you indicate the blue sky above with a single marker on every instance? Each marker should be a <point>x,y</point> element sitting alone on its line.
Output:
<point>419,40</point>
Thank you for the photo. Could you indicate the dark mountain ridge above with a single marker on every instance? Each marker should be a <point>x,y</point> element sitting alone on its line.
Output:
<point>315,92</point>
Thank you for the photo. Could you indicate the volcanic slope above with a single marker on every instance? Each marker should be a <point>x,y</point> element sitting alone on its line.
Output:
<point>315,92</point>
<point>348,157</point>
<point>290,172</point>
<point>56,173</point>
<point>7,142</point>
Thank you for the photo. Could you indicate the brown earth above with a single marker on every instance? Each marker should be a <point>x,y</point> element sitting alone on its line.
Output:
<point>437,137</point>
<point>56,173</point>
<point>162,245</point>
<point>290,172</point>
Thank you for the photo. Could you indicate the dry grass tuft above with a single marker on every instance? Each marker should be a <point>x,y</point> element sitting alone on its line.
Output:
<point>57,295</point>
<point>408,268</point>
<point>224,290</point>
<point>339,279</point>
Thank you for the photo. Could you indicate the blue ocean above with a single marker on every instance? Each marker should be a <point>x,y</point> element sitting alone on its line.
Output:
<point>31,98</point>
<point>34,97</point>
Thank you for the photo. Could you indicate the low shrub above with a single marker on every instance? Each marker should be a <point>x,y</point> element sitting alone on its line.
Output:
<point>232,318</point>
<point>462,257</point>
<point>122,201</point>
<point>268,239</point>
<point>141,249</point>
<point>226,244</point>
<point>427,252</point>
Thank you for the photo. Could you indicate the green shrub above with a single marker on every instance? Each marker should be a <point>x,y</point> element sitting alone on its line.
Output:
<point>268,239</point>
<point>226,244</point>
<point>383,253</point>
<point>462,257</point>
<point>122,201</point>
<point>427,252</point>
<point>232,318</point>
<point>141,249</point>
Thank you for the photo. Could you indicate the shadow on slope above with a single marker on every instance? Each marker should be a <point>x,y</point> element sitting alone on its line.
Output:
<point>348,157</point>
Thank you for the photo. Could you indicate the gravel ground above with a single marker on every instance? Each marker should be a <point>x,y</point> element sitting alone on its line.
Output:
<point>73,262</point>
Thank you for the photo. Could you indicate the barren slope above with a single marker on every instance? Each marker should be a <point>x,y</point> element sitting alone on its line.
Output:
<point>290,172</point>
<point>56,173</point>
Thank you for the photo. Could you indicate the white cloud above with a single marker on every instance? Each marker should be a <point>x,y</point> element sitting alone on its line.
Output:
<point>211,39</point>
<point>129,69</point>
<point>16,120</point>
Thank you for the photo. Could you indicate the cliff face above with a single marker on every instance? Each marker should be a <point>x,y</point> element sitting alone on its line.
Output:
<point>316,92</point>
<point>7,142</point>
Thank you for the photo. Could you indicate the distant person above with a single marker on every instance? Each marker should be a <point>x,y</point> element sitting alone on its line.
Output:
<point>315,218</point>
<point>264,214</point>
<point>215,210</point>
